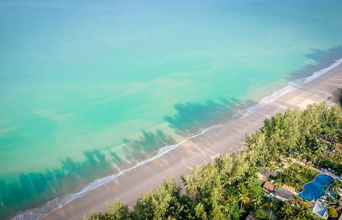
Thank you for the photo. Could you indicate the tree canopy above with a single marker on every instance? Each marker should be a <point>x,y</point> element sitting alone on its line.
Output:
<point>228,187</point>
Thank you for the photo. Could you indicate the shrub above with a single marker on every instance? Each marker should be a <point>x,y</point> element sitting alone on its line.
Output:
<point>260,214</point>
<point>332,212</point>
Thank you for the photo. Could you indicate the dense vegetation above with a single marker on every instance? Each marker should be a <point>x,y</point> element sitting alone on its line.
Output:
<point>228,187</point>
<point>296,176</point>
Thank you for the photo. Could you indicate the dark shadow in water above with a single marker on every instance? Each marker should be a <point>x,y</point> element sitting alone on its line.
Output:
<point>193,115</point>
<point>148,142</point>
<point>321,59</point>
<point>115,158</point>
<point>34,189</point>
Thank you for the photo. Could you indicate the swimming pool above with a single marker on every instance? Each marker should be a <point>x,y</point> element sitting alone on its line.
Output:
<point>315,189</point>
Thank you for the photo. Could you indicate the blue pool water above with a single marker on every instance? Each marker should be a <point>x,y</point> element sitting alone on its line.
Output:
<point>315,189</point>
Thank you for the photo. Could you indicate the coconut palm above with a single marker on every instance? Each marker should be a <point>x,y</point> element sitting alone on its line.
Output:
<point>338,156</point>
<point>320,154</point>
<point>304,212</point>
<point>257,200</point>
<point>286,210</point>
<point>270,168</point>
<point>244,198</point>
<point>272,205</point>
<point>298,201</point>
<point>308,166</point>
<point>326,189</point>
<point>334,186</point>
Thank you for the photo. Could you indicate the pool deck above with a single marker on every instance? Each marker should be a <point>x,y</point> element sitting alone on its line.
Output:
<point>322,171</point>
<point>331,174</point>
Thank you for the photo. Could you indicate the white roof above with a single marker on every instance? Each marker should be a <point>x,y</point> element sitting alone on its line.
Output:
<point>319,210</point>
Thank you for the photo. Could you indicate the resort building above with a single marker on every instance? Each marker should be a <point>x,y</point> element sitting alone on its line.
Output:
<point>285,193</point>
<point>268,187</point>
<point>320,210</point>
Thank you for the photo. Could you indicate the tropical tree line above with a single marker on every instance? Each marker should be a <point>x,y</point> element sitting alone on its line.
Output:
<point>228,187</point>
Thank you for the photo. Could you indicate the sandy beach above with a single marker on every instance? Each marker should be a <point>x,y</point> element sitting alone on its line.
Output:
<point>200,150</point>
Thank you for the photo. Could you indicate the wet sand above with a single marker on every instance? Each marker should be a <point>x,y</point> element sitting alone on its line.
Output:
<point>200,150</point>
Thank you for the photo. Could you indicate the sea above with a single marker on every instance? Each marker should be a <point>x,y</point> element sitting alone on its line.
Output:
<point>90,90</point>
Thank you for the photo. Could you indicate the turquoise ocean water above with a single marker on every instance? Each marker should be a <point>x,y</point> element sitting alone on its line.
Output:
<point>90,87</point>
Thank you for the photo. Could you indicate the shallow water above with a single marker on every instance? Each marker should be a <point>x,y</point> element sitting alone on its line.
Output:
<point>87,87</point>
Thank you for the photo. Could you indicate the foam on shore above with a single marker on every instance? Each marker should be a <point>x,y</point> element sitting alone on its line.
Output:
<point>291,86</point>
<point>41,212</point>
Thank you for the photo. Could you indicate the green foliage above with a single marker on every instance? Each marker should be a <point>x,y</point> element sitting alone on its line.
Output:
<point>200,212</point>
<point>228,187</point>
<point>154,204</point>
<point>332,212</point>
<point>259,213</point>
<point>296,176</point>
<point>115,212</point>
<point>181,208</point>
<point>331,163</point>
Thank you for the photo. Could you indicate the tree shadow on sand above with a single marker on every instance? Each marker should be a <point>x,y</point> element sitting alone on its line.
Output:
<point>193,115</point>
<point>320,60</point>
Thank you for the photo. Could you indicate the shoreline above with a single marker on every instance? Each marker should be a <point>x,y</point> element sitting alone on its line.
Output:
<point>200,148</point>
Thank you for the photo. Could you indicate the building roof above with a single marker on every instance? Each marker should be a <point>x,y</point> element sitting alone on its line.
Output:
<point>288,188</point>
<point>319,210</point>
<point>249,217</point>
<point>269,186</point>
<point>309,204</point>
<point>284,194</point>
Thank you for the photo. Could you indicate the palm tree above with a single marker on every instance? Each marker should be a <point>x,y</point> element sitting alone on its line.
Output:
<point>272,205</point>
<point>286,210</point>
<point>241,187</point>
<point>334,185</point>
<point>257,200</point>
<point>298,201</point>
<point>281,168</point>
<point>338,156</point>
<point>331,200</point>
<point>270,168</point>
<point>273,168</point>
<point>320,154</point>
<point>304,212</point>
<point>326,188</point>
<point>278,184</point>
<point>306,152</point>
<point>244,198</point>
<point>308,166</point>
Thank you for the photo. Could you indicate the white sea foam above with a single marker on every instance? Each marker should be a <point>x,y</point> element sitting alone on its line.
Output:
<point>292,85</point>
<point>41,212</point>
